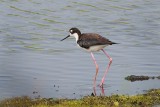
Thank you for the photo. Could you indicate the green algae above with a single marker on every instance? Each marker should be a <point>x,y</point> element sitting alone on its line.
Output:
<point>149,99</point>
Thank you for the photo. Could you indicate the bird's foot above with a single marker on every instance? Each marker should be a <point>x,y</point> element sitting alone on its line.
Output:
<point>101,85</point>
<point>102,82</point>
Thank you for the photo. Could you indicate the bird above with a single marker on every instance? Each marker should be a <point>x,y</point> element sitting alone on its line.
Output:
<point>92,42</point>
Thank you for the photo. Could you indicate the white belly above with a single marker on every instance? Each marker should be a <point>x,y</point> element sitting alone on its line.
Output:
<point>96,48</point>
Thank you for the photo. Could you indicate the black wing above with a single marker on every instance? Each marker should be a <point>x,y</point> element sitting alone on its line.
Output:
<point>90,39</point>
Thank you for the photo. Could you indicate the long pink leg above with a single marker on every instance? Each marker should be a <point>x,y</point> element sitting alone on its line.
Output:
<point>110,61</point>
<point>102,90</point>
<point>94,91</point>
<point>94,85</point>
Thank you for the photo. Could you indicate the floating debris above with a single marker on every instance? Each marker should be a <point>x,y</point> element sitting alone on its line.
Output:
<point>158,77</point>
<point>133,78</point>
<point>35,92</point>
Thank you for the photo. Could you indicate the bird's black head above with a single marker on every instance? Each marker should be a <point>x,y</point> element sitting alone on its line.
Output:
<point>75,32</point>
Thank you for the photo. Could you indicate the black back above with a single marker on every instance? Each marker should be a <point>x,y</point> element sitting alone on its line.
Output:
<point>91,39</point>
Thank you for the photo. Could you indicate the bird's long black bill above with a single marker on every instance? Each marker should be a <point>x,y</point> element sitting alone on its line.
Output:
<point>65,38</point>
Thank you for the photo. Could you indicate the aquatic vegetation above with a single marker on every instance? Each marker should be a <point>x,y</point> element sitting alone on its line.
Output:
<point>151,98</point>
<point>133,78</point>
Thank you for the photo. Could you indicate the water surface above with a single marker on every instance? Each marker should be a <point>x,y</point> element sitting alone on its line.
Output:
<point>34,62</point>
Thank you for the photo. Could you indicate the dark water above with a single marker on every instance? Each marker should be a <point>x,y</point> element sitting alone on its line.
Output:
<point>34,62</point>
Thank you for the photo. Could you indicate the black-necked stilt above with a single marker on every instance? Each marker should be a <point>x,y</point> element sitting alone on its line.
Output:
<point>92,42</point>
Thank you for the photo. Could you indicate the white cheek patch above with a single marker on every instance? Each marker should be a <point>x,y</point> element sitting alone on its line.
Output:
<point>74,35</point>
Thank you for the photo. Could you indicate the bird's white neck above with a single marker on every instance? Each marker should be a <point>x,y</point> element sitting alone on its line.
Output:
<point>75,35</point>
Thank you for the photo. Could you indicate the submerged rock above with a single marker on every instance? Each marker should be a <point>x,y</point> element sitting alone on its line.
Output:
<point>158,77</point>
<point>133,78</point>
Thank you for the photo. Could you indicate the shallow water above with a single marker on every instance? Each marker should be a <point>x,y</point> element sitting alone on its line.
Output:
<point>34,62</point>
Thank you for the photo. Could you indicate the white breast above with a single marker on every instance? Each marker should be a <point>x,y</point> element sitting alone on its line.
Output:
<point>95,48</point>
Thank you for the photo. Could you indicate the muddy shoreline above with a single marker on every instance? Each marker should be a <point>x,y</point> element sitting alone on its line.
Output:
<point>149,99</point>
